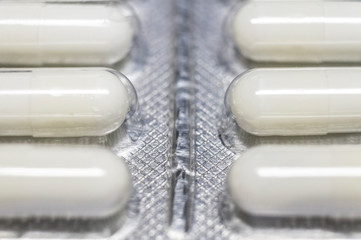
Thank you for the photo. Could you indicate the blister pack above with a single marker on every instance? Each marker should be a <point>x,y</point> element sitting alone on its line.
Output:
<point>161,119</point>
<point>275,141</point>
<point>87,118</point>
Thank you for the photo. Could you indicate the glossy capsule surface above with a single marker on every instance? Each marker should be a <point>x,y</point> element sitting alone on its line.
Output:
<point>64,33</point>
<point>290,181</point>
<point>297,101</point>
<point>61,102</point>
<point>61,181</point>
<point>299,31</point>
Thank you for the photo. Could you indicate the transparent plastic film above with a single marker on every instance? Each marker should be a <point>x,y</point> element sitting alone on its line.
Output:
<point>297,101</point>
<point>58,33</point>
<point>66,181</point>
<point>294,181</point>
<point>298,31</point>
<point>64,102</point>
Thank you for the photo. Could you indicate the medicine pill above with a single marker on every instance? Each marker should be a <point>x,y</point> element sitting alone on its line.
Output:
<point>299,31</point>
<point>61,102</point>
<point>55,33</point>
<point>61,181</point>
<point>320,181</point>
<point>297,101</point>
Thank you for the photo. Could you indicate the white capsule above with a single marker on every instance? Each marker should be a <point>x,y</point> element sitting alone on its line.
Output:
<point>299,31</point>
<point>61,102</point>
<point>322,181</point>
<point>55,33</point>
<point>297,101</point>
<point>61,181</point>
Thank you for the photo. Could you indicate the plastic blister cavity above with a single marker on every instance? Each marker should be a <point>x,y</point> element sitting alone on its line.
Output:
<point>63,102</point>
<point>76,33</point>
<point>297,101</point>
<point>62,181</point>
<point>298,31</point>
<point>298,181</point>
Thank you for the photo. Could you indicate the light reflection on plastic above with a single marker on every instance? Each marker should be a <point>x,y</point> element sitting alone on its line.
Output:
<point>304,172</point>
<point>55,92</point>
<point>305,20</point>
<point>340,91</point>
<point>51,172</point>
<point>55,22</point>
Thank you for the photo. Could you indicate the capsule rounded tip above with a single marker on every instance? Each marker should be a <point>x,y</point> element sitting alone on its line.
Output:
<point>120,34</point>
<point>242,181</point>
<point>114,190</point>
<point>113,107</point>
<point>244,102</point>
<point>245,34</point>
